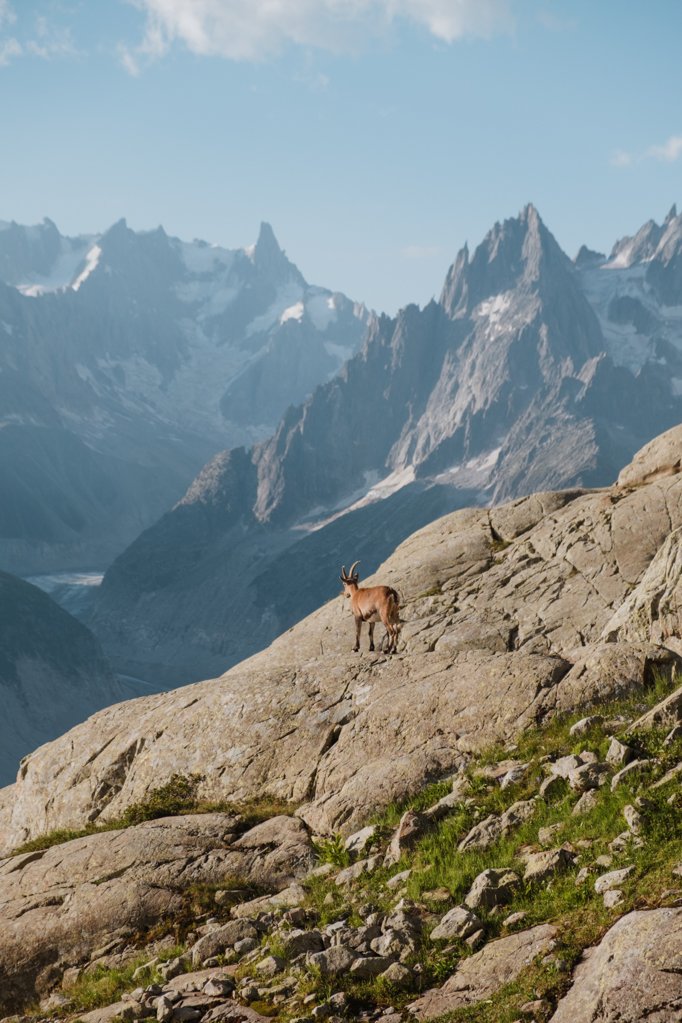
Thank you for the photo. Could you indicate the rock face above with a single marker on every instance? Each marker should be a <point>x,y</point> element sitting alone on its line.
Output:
<point>128,359</point>
<point>486,972</point>
<point>515,381</point>
<point>60,904</point>
<point>633,975</point>
<point>306,720</point>
<point>53,672</point>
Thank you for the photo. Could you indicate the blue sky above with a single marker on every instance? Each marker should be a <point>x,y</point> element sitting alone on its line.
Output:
<point>375,135</point>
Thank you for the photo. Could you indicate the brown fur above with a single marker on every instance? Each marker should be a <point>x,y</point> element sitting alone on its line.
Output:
<point>372,604</point>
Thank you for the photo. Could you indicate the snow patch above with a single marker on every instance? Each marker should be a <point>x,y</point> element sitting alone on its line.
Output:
<point>622,260</point>
<point>373,490</point>
<point>91,264</point>
<point>71,256</point>
<point>495,307</point>
<point>294,312</point>
<point>484,462</point>
<point>287,295</point>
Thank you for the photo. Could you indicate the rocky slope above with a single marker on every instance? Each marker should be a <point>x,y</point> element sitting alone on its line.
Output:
<point>510,614</point>
<point>52,672</point>
<point>515,856</point>
<point>142,355</point>
<point>521,378</point>
<point>539,884</point>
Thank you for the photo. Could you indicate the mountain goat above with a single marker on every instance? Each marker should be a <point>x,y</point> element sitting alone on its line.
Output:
<point>372,604</point>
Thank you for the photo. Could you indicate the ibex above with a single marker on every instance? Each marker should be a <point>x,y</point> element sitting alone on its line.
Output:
<point>371,605</point>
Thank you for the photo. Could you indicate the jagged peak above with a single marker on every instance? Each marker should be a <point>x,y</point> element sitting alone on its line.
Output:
<point>512,250</point>
<point>271,259</point>
<point>588,257</point>
<point>672,214</point>
<point>267,241</point>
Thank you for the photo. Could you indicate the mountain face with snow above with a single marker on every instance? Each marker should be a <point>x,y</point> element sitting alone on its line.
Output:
<point>532,372</point>
<point>128,359</point>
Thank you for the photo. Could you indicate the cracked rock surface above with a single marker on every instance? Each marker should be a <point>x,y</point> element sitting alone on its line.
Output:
<point>485,972</point>
<point>633,975</point>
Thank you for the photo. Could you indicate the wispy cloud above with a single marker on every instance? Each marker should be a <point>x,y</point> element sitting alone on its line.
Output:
<point>7,13</point>
<point>40,38</point>
<point>256,29</point>
<point>668,152</point>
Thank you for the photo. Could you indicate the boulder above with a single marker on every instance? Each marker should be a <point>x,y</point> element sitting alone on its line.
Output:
<point>487,832</point>
<point>627,775</point>
<point>492,888</point>
<point>457,923</point>
<point>411,828</point>
<point>611,880</point>
<point>666,714</point>
<point>586,803</point>
<point>222,938</point>
<point>543,865</point>
<point>632,975</point>
<point>333,961</point>
<point>661,457</point>
<point>485,972</point>
<point>588,776</point>
<point>618,753</point>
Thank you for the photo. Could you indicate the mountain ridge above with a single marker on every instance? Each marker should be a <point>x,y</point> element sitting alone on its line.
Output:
<point>488,394</point>
<point>154,354</point>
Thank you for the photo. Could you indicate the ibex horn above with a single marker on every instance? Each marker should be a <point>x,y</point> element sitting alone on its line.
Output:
<point>352,569</point>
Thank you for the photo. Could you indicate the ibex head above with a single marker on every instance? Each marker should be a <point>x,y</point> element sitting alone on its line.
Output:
<point>350,579</point>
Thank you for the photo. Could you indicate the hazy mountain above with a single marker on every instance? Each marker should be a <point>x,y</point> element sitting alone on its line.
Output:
<point>52,672</point>
<point>127,359</point>
<point>520,378</point>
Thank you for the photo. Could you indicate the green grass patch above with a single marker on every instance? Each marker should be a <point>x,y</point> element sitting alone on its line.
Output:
<point>174,799</point>
<point>105,985</point>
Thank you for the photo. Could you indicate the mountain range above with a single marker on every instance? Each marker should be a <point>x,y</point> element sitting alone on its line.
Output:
<point>130,358</point>
<point>531,372</point>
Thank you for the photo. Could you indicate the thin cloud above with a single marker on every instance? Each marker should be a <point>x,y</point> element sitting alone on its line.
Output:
<point>621,159</point>
<point>669,152</point>
<point>10,49</point>
<point>43,40</point>
<point>7,14</point>
<point>254,30</point>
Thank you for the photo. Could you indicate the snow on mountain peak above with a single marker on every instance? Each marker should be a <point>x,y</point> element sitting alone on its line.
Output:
<point>91,262</point>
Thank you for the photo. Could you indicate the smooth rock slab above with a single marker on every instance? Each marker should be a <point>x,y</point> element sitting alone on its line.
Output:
<point>634,975</point>
<point>59,904</point>
<point>485,972</point>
